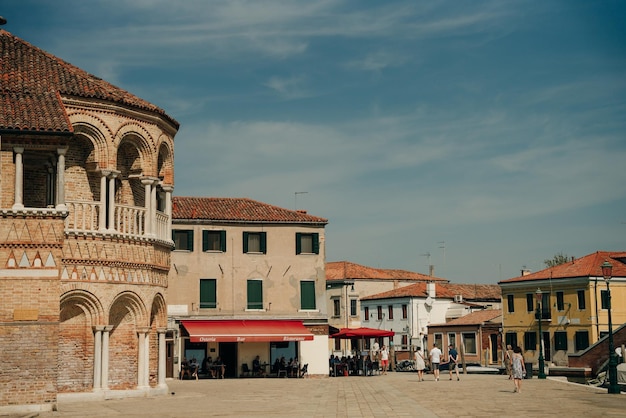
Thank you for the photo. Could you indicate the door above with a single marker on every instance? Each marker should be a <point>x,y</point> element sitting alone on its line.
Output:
<point>228,353</point>
<point>494,348</point>
<point>169,358</point>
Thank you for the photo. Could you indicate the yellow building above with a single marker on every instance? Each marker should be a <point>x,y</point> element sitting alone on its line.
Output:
<point>574,305</point>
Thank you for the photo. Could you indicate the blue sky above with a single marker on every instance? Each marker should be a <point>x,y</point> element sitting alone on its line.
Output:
<point>488,134</point>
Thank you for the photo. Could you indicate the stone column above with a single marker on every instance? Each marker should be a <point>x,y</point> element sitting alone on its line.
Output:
<point>102,221</point>
<point>18,201</point>
<point>112,177</point>
<point>60,204</point>
<point>143,359</point>
<point>153,206</point>
<point>168,210</point>
<point>147,184</point>
<point>97,358</point>
<point>105,356</point>
<point>162,353</point>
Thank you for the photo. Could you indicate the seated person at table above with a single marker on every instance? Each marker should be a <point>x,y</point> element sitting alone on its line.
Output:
<point>208,366</point>
<point>369,366</point>
<point>220,366</point>
<point>256,367</point>
<point>184,369</point>
<point>193,368</point>
<point>294,367</point>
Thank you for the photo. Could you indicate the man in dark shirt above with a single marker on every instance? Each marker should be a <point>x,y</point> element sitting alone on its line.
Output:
<point>453,359</point>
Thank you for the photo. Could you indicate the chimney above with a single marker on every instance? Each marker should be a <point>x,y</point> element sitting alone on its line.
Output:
<point>525,271</point>
<point>430,289</point>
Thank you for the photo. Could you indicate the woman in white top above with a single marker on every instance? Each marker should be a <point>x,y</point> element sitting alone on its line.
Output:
<point>420,364</point>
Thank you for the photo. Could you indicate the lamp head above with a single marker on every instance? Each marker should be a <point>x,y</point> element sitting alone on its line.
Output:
<point>607,271</point>
<point>538,294</point>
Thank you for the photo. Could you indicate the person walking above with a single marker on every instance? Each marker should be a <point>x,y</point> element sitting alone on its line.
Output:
<point>384,358</point>
<point>453,361</point>
<point>435,359</point>
<point>519,369</point>
<point>420,364</point>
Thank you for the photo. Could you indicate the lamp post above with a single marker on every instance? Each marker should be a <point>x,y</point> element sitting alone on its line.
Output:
<point>607,270</point>
<point>539,295</point>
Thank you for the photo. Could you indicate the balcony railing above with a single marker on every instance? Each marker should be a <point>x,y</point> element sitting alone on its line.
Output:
<point>84,217</point>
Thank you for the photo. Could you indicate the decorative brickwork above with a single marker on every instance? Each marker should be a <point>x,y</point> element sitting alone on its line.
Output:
<point>85,242</point>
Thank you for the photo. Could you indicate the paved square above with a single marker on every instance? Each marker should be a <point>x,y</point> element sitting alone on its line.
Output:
<point>391,395</point>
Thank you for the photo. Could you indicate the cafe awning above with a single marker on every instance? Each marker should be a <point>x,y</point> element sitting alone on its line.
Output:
<point>362,332</point>
<point>246,330</point>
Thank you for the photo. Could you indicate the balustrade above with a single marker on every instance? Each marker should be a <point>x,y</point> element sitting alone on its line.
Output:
<point>128,220</point>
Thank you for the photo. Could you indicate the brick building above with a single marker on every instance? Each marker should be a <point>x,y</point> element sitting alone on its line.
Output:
<point>86,175</point>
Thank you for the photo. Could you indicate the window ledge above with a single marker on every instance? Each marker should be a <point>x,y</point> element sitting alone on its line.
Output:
<point>309,310</point>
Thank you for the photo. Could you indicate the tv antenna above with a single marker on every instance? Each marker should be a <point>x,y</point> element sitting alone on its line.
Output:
<point>295,199</point>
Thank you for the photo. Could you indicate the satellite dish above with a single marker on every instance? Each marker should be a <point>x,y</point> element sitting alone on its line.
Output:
<point>429,301</point>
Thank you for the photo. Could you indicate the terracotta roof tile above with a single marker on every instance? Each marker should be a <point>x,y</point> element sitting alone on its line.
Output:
<point>31,80</point>
<point>444,290</point>
<point>587,266</point>
<point>475,318</point>
<point>341,270</point>
<point>228,209</point>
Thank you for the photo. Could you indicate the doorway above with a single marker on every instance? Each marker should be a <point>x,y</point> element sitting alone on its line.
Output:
<point>228,353</point>
<point>494,348</point>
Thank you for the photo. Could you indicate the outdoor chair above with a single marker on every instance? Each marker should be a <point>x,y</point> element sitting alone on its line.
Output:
<point>245,371</point>
<point>304,371</point>
<point>282,372</point>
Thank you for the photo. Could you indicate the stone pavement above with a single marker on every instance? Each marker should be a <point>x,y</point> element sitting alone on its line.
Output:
<point>391,395</point>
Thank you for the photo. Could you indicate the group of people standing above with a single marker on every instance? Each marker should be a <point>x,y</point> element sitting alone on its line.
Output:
<point>435,357</point>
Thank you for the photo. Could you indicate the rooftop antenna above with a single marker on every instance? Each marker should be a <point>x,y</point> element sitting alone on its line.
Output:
<point>427,255</point>
<point>295,199</point>
<point>443,246</point>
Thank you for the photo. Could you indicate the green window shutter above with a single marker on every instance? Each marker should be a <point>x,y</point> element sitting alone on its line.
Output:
<point>604,296</point>
<point>205,240</point>
<point>190,240</point>
<point>255,294</point>
<point>316,243</point>
<point>263,242</point>
<point>208,295</point>
<point>223,241</point>
<point>245,242</point>
<point>307,294</point>
<point>298,243</point>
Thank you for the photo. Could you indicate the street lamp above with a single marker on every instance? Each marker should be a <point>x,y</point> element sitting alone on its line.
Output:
<point>607,270</point>
<point>539,295</point>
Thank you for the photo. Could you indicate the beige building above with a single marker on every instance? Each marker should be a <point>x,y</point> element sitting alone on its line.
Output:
<point>247,279</point>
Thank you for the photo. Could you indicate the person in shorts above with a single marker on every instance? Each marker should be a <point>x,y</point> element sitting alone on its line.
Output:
<point>435,359</point>
<point>453,360</point>
<point>384,358</point>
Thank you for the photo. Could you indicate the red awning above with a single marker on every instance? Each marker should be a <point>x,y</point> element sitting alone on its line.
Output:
<point>246,331</point>
<point>362,333</point>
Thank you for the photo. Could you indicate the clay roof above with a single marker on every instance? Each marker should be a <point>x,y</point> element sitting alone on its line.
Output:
<point>444,290</point>
<point>342,270</point>
<point>229,209</point>
<point>416,290</point>
<point>476,291</point>
<point>32,82</point>
<point>475,318</point>
<point>587,266</point>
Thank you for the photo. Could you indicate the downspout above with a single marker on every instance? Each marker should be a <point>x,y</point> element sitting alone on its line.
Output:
<point>595,296</point>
